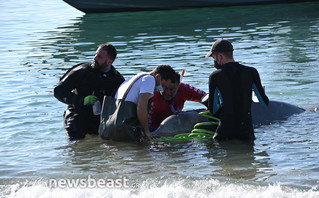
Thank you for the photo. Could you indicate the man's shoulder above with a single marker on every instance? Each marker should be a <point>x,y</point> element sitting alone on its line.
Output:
<point>76,69</point>
<point>147,77</point>
<point>142,77</point>
<point>215,73</point>
<point>117,74</point>
<point>81,68</point>
<point>147,82</point>
<point>250,69</point>
<point>84,65</point>
<point>185,87</point>
<point>246,67</point>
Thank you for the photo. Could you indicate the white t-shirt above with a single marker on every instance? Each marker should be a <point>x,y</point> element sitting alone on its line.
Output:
<point>145,84</point>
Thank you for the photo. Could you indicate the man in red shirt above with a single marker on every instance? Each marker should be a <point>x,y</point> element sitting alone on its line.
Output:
<point>171,100</point>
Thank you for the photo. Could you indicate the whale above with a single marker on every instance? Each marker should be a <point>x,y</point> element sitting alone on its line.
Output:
<point>275,111</point>
<point>184,121</point>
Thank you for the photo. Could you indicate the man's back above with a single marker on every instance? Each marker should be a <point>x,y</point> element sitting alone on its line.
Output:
<point>144,84</point>
<point>231,89</point>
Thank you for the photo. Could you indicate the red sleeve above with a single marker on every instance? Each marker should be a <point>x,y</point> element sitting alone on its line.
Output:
<point>192,93</point>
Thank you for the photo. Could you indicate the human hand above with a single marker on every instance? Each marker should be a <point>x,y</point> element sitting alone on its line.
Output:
<point>89,100</point>
<point>146,135</point>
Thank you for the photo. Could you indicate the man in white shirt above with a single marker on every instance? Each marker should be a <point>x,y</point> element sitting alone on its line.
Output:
<point>143,90</point>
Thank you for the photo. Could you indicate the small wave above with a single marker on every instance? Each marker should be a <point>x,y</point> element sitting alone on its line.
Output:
<point>162,188</point>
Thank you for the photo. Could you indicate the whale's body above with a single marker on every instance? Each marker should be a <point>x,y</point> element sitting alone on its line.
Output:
<point>184,121</point>
<point>275,111</point>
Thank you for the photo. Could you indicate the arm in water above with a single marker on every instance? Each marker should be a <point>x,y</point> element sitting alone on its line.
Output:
<point>142,113</point>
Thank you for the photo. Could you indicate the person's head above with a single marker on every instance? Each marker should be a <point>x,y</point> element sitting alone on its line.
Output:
<point>222,52</point>
<point>170,87</point>
<point>168,79</point>
<point>104,57</point>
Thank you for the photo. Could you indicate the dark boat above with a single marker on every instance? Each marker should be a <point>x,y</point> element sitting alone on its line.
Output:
<point>100,6</point>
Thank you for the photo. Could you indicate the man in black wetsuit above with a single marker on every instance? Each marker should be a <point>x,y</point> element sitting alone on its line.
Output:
<point>230,93</point>
<point>85,85</point>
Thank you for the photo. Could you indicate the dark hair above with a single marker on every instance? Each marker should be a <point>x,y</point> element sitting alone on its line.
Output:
<point>167,73</point>
<point>110,49</point>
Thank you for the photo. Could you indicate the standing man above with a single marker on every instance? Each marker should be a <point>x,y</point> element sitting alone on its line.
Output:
<point>230,93</point>
<point>171,99</point>
<point>143,90</point>
<point>85,85</point>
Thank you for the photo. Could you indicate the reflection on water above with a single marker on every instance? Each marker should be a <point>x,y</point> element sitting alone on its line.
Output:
<point>240,160</point>
<point>236,159</point>
<point>280,42</point>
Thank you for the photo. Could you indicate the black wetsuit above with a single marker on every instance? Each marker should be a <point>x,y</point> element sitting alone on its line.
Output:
<point>230,97</point>
<point>78,82</point>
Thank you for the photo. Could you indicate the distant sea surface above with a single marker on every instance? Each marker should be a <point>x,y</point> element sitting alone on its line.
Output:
<point>40,40</point>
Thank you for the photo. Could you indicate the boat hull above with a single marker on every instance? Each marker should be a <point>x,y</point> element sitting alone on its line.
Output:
<point>101,6</point>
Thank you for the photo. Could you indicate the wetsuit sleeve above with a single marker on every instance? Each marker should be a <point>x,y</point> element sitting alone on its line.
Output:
<point>64,90</point>
<point>192,93</point>
<point>258,89</point>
